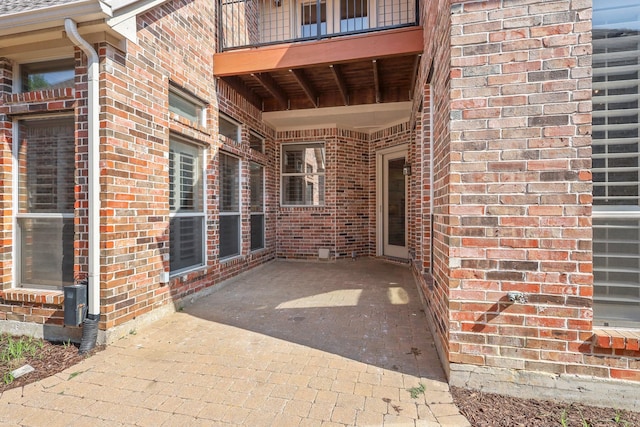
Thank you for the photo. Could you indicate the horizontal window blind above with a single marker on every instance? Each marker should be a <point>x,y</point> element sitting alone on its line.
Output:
<point>615,162</point>
<point>230,239</point>
<point>256,182</point>
<point>186,227</point>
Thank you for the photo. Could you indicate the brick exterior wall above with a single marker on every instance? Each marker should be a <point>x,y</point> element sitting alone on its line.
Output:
<point>513,193</point>
<point>432,114</point>
<point>135,145</point>
<point>520,180</point>
<point>346,224</point>
<point>21,305</point>
<point>341,224</point>
<point>135,126</point>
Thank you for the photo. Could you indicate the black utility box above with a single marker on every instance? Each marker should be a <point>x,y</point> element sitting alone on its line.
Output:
<point>75,304</point>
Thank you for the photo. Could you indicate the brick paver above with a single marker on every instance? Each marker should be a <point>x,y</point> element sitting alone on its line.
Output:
<point>286,344</point>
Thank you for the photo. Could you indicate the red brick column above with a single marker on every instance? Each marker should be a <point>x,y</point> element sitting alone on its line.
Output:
<point>520,185</point>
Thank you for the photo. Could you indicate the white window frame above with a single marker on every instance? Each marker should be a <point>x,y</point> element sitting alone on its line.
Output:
<point>203,153</point>
<point>198,104</point>
<point>237,213</point>
<point>16,251</point>
<point>303,172</point>
<point>261,212</point>
<point>233,122</point>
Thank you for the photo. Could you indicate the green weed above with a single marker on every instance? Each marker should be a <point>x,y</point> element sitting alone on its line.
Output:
<point>74,374</point>
<point>8,378</point>
<point>14,349</point>
<point>417,391</point>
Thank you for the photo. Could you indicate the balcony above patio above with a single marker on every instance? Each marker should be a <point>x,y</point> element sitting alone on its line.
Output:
<point>290,55</point>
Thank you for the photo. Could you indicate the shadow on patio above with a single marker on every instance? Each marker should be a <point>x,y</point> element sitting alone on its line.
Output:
<point>366,310</point>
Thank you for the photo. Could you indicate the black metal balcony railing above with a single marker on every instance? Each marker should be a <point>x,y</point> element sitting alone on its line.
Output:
<point>260,22</point>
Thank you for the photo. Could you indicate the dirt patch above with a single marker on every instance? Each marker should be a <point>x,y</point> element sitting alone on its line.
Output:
<point>494,410</point>
<point>49,359</point>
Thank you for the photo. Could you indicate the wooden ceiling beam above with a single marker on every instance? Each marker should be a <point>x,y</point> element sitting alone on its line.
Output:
<point>306,86</point>
<point>288,56</point>
<point>238,85</point>
<point>376,80</point>
<point>342,86</point>
<point>273,88</point>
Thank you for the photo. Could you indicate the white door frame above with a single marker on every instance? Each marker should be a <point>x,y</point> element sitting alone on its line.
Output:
<point>380,199</point>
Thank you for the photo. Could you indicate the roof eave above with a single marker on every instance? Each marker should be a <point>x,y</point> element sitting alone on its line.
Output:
<point>54,16</point>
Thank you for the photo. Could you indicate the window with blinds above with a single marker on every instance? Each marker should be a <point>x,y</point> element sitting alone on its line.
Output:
<point>46,167</point>
<point>229,206</point>
<point>186,204</point>
<point>256,184</point>
<point>615,165</point>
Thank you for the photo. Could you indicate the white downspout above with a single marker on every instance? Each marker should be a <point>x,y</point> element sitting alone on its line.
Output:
<point>93,110</point>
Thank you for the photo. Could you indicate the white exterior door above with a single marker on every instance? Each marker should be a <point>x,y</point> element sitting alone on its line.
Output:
<point>392,208</point>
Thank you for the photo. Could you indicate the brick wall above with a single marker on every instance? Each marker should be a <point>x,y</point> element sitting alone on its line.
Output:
<point>431,113</point>
<point>520,193</point>
<point>341,223</point>
<point>6,221</point>
<point>519,176</point>
<point>346,223</point>
<point>135,205</point>
<point>135,125</point>
<point>17,304</point>
<point>134,148</point>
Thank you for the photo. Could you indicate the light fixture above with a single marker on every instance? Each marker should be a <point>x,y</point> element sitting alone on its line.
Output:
<point>406,169</point>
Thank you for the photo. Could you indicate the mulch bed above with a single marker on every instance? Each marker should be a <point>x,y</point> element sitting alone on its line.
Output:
<point>51,359</point>
<point>494,410</point>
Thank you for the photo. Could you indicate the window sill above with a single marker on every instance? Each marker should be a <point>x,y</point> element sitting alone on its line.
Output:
<point>42,95</point>
<point>230,259</point>
<point>186,272</point>
<point>33,296</point>
<point>617,339</point>
<point>301,207</point>
<point>188,123</point>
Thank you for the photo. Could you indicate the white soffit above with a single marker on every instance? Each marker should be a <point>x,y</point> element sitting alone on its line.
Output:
<point>364,118</point>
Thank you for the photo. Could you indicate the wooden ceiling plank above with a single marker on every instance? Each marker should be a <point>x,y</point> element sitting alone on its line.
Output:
<point>376,80</point>
<point>342,86</point>
<point>287,56</point>
<point>273,88</point>
<point>306,86</point>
